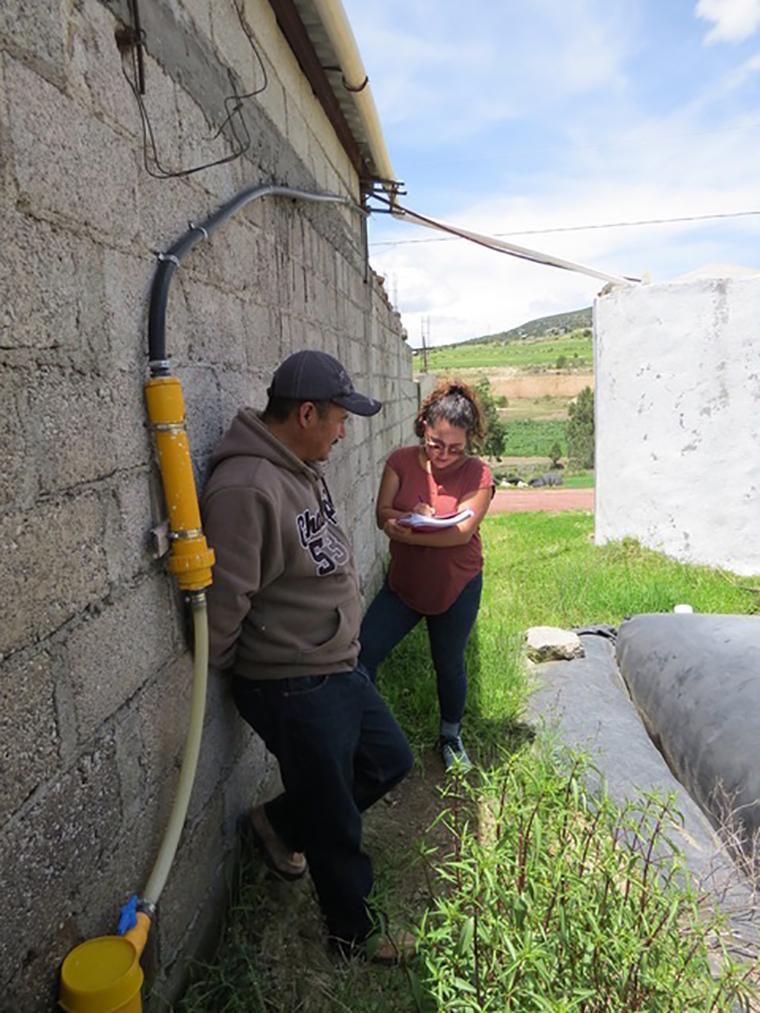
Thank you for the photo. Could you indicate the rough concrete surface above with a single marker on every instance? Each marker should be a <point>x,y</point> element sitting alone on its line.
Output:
<point>94,667</point>
<point>678,419</point>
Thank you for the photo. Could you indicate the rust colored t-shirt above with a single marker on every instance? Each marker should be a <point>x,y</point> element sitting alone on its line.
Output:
<point>428,579</point>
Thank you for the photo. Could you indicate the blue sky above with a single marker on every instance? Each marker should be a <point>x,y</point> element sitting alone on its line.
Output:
<point>503,117</point>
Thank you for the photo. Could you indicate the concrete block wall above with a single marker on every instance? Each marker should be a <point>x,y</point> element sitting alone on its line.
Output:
<point>678,419</point>
<point>94,666</point>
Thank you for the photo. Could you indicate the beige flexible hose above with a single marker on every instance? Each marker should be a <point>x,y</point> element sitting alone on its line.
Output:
<point>166,852</point>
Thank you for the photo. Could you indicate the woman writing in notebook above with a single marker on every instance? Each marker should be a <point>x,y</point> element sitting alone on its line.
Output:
<point>435,572</point>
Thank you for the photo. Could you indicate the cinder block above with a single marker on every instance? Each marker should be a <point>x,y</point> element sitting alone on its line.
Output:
<point>94,68</point>
<point>48,852</point>
<point>111,655</point>
<point>228,259</point>
<point>28,732</point>
<point>18,472</point>
<point>35,33</point>
<point>52,564</point>
<point>261,337</point>
<point>129,519</point>
<point>7,189</point>
<point>263,277</point>
<point>49,133</point>
<point>51,293</point>
<point>200,13</point>
<point>201,144</point>
<point>201,932</point>
<point>203,411</point>
<point>127,282</point>
<point>232,43</point>
<point>195,871</point>
<point>238,389</point>
<point>215,325</point>
<point>164,208</point>
<point>254,778</point>
<point>71,422</point>
<point>163,708</point>
<point>224,737</point>
<point>297,128</point>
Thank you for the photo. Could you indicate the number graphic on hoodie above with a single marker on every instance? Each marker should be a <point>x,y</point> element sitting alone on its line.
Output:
<point>322,544</point>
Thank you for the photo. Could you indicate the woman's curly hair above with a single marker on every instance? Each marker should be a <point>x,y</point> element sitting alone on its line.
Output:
<point>456,403</point>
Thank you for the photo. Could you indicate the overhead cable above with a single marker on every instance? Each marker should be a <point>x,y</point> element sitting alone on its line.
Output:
<point>582,228</point>
<point>499,246</point>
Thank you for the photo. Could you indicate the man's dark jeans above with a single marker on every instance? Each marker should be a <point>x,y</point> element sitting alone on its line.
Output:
<point>339,749</point>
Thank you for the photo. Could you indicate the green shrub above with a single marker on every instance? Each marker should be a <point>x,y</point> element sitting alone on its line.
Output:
<point>554,900</point>
<point>580,429</point>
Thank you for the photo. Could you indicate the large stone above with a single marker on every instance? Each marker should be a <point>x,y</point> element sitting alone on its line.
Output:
<point>550,643</point>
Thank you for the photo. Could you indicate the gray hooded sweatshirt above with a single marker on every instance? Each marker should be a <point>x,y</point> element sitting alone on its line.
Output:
<point>285,598</point>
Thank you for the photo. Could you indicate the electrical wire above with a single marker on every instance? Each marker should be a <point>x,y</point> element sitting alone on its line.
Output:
<point>499,245</point>
<point>581,228</point>
<point>233,105</point>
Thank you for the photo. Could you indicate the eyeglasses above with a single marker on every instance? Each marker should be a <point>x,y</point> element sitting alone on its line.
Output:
<point>455,449</point>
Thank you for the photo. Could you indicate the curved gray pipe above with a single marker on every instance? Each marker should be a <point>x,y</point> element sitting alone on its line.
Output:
<point>169,260</point>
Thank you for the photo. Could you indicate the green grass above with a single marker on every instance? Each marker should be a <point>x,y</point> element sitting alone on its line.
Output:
<point>543,352</point>
<point>534,438</point>
<point>543,569</point>
<point>540,569</point>
<point>582,480</point>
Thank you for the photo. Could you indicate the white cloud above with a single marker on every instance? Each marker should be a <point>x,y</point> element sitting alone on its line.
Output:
<point>733,20</point>
<point>462,71</point>
<point>577,114</point>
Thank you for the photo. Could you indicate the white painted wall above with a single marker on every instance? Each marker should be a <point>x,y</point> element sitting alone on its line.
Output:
<point>678,419</point>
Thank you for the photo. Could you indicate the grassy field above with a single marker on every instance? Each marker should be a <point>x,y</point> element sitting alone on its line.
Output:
<point>534,438</point>
<point>523,408</point>
<point>581,480</point>
<point>576,350</point>
<point>490,934</point>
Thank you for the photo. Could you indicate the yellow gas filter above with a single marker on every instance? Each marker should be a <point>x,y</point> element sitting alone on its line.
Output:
<point>191,559</point>
<point>102,975</point>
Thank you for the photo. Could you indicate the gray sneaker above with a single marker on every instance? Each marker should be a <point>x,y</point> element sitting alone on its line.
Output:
<point>454,755</point>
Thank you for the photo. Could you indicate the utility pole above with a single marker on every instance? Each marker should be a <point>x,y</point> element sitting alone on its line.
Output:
<point>423,321</point>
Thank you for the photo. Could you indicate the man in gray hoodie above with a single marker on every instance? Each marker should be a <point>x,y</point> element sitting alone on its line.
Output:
<point>284,617</point>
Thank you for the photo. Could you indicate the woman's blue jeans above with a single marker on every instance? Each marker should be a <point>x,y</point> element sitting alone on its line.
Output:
<point>387,622</point>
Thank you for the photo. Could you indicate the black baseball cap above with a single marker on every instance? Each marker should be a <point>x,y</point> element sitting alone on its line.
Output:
<point>316,376</point>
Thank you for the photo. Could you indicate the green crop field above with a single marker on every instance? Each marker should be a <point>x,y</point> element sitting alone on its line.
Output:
<point>534,438</point>
<point>570,350</point>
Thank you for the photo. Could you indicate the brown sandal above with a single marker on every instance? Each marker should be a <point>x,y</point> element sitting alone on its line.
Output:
<point>277,856</point>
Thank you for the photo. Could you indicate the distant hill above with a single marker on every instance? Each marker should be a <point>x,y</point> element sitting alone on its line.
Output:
<point>542,327</point>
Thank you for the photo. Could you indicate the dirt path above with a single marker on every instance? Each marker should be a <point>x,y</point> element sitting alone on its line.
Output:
<point>547,500</point>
